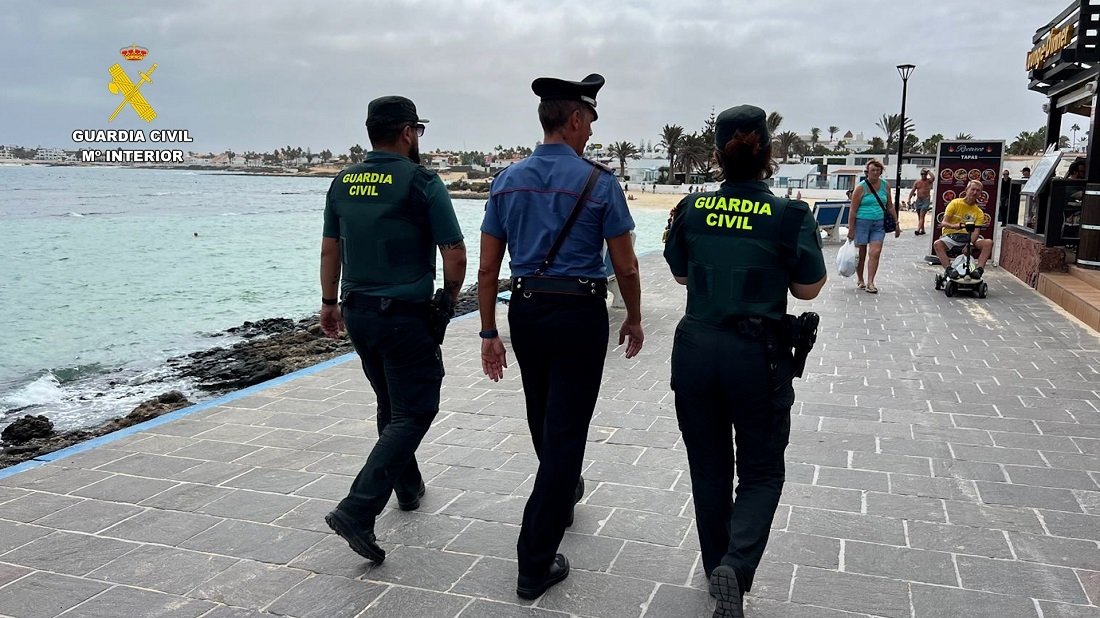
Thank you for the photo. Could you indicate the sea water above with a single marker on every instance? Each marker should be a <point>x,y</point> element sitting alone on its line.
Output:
<point>107,272</point>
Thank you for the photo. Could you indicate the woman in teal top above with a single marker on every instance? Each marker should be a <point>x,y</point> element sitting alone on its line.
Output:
<point>871,204</point>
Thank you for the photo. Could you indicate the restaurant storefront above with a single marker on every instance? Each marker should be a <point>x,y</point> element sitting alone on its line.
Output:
<point>1058,222</point>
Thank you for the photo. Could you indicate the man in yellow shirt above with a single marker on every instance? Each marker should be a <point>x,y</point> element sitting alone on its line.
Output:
<point>960,211</point>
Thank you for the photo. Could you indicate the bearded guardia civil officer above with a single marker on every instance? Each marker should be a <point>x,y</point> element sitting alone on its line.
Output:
<point>739,250</point>
<point>558,315</point>
<point>384,219</point>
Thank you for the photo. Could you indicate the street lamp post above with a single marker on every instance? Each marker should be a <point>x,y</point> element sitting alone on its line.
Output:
<point>905,70</point>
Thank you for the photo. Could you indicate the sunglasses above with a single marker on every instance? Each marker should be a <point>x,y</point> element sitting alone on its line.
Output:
<point>419,128</point>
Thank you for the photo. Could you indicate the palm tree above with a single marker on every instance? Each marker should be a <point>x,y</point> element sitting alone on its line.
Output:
<point>1026,143</point>
<point>876,146</point>
<point>356,153</point>
<point>833,130</point>
<point>931,145</point>
<point>697,156</point>
<point>774,120</point>
<point>787,141</point>
<point>890,125</point>
<point>672,136</point>
<point>1075,128</point>
<point>622,151</point>
<point>230,155</point>
<point>815,135</point>
<point>964,136</point>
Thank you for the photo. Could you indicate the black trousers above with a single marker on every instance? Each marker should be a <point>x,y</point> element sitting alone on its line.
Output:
<point>726,397</point>
<point>405,368</point>
<point>560,342</point>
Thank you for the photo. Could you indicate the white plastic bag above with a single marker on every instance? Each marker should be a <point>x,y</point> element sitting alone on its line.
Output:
<point>847,259</point>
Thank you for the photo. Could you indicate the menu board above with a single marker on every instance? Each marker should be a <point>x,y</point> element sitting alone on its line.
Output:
<point>1044,169</point>
<point>960,162</point>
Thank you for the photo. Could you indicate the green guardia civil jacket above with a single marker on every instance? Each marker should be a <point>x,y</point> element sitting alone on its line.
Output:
<point>740,247</point>
<point>389,215</point>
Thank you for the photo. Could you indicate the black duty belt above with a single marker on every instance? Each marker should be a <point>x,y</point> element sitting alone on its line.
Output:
<point>382,304</point>
<point>751,327</point>
<point>573,286</point>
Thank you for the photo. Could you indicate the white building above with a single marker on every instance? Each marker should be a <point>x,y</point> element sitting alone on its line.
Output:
<point>51,154</point>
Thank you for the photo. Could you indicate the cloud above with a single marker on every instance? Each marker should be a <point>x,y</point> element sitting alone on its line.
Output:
<point>256,76</point>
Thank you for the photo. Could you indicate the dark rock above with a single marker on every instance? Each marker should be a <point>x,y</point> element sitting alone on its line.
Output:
<point>152,408</point>
<point>26,429</point>
<point>269,326</point>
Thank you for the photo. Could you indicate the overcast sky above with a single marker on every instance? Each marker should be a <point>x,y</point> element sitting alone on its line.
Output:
<point>262,75</point>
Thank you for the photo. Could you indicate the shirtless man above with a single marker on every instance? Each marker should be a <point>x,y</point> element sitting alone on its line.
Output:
<point>923,190</point>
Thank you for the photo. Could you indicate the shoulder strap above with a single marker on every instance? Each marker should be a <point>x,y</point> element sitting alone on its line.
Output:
<point>877,198</point>
<point>593,176</point>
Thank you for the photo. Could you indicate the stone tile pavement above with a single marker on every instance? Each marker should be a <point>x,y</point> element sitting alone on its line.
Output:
<point>944,461</point>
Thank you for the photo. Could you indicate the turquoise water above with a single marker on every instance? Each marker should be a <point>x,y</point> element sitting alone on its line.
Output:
<point>107,272</point>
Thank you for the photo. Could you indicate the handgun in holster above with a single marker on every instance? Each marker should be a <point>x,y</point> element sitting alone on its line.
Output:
<point>803,338</point>
<point>441,310</point>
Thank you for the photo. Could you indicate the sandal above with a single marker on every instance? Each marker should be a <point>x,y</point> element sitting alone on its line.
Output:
<point>860,285</point>
<point>872,289</point>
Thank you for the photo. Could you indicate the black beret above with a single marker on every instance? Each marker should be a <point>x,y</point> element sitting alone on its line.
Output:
<point>392,110</point>
<point>553,89</point>
<point>744,118</point>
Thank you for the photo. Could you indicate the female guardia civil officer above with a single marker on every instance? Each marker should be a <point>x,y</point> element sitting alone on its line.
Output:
<point>738,250</point>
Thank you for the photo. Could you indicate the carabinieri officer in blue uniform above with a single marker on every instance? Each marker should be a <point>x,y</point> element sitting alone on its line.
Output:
<point>739,250</point>
<point>558,315</point>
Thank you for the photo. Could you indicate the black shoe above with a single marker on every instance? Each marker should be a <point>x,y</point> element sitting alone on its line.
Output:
<point>977,273</point>
<point>413,504</point>
<point>577,495</point>
<point>950,273</point>
<point>362,542</point>
<point>724,587</point>
<point>531,588</point>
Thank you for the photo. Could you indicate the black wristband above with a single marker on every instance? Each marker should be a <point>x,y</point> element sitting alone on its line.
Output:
<point>328,301</point>
<point>489,334</point>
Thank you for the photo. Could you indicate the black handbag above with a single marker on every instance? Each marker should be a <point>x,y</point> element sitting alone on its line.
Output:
<point>888,222</point>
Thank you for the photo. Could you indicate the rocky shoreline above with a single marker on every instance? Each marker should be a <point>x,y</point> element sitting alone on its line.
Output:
<point>269,348</point>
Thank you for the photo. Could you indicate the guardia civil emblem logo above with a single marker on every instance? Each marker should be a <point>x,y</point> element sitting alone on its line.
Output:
<point>121,84</point>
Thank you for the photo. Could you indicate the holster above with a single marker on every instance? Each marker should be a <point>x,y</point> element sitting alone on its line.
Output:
<point>440,312</point>
<point>574,286</point>
<point>803,333</point>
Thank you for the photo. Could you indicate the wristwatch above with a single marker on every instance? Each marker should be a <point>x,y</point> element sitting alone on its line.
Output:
<point>489,334</point>
<point>328,301</point>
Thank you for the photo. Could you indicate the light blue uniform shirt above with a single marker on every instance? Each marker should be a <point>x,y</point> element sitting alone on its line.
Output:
<point>530,201</point>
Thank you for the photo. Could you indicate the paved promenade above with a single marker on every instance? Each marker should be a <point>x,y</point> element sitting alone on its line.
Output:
<point>944,461</point>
